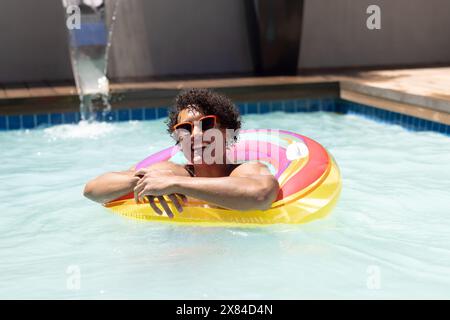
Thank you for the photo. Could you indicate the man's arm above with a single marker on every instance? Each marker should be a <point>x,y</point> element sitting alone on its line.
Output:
<point>111,185</point>
<point>250,186</point>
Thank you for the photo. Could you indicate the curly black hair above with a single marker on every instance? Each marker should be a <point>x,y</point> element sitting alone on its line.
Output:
<point>207,102</point>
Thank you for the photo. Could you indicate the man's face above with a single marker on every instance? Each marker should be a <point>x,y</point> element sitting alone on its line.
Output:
<point>202,136</point>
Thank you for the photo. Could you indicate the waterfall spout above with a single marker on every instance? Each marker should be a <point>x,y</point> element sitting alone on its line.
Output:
<point>90,37</point>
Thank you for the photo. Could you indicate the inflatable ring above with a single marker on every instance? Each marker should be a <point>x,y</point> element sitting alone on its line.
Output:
<point>309,179</point>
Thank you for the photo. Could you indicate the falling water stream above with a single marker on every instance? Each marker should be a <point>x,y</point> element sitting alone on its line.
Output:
<point>90,37</point>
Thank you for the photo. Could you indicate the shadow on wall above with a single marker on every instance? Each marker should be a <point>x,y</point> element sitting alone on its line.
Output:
<point>413,33</point>
<point>33,42</point>
<point>169,37</point>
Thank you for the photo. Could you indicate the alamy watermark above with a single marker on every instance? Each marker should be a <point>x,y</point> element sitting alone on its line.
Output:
<point>73,14</point>
<point>73,281</point>
<point>373,22</point>
<point>373,281</point>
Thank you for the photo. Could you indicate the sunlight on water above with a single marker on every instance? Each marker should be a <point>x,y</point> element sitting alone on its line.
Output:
<point>83,130</point>
<point>387,238</point>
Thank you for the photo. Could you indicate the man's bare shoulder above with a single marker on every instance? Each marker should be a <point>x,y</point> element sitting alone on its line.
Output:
<point>252,168</point>
<point>177,169</point>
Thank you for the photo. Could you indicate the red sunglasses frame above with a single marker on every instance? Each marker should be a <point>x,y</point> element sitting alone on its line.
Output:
<point>192,123</point>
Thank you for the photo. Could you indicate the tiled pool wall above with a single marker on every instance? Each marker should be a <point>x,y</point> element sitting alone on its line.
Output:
<point>13,122</point>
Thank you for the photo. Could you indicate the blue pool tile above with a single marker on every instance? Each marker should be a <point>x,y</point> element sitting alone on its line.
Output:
<point>55,118</point>
<point>384,115</point>
<point>3,123</point>
<point>389,116</point>
<point>42,119</point>
<point>416,123</point>
<point>277,106</point>
<point>403,119</point>
<point>302,105</point>
<point>396,118</point>
<point>137,114</point>
<point>28,121</point>
<point>406,121</point>
<point>110,116</point>
<point>435,126</point>
<point>419,124</point>
<point>290,106</point>
<point>438,127</point>
<point>319,105</point>
<point>367,111</point>
<point>242,108</point>
<point>264,107</point>
<point>162,112</point>
<point>252,107</point>
<point>423,124</point>
<point>99,115</point>
<point>123,115</point>
<point>354,107</point>
<point>70,117</point>
<point>13,122</point>
<point>149,113</point>
<point>378,113</point>
<point>347,107</point>
<point>363,109</point>
<point>314,105</point>
<point>344,108</point>
<point>328,105</point>
<point>340,107</point>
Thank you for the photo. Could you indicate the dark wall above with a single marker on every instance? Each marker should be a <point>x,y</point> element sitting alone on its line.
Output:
<point>196,37</point>
<point>171,37</point>
<point>33,45</point>
<point>413,32</point>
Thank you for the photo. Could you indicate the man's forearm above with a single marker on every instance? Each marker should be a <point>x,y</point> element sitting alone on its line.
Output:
<point>110,186</point>
<point>238,193</point>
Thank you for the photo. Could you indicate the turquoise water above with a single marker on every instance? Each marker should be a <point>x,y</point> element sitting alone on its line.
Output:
<point>389,236</point>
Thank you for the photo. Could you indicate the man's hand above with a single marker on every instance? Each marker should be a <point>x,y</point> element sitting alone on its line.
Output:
<point>157,183</point>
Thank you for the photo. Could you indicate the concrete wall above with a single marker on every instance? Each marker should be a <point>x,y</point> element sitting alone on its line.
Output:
<point>412,32</point>
<point>33,45</point>
<point>187,37</point>
<point>172,37</point>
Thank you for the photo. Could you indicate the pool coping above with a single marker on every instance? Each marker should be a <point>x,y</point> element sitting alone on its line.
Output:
<point>417,106</point>
<point>34,101</point>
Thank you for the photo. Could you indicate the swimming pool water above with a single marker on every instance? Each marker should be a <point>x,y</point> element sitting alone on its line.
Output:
<point>388,237</point>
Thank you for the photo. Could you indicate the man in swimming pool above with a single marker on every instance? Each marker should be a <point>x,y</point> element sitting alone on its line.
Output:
<point>204,123</point>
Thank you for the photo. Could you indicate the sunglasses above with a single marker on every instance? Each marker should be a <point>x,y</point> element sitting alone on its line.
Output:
<point>186,128</point>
